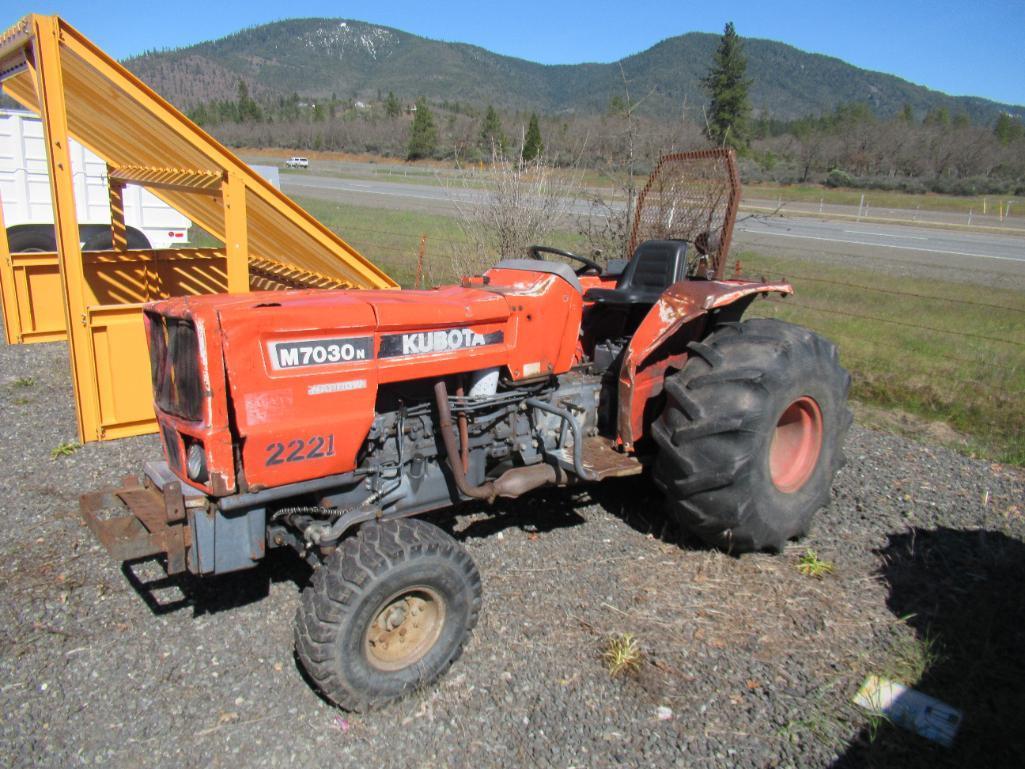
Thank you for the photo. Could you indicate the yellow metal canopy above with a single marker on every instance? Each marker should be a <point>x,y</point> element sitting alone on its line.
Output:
<point>147,141</point>
<point>269,241</point>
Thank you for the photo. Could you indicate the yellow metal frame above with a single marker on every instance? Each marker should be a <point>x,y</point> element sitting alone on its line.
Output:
<point>269,241</point>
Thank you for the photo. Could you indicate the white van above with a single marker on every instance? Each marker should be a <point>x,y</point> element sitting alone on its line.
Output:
<point>28,207</point>
<point>297,162</point>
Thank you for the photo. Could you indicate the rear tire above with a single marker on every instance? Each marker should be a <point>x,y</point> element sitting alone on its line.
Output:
<point>387,613</point>
<point>752,434</point>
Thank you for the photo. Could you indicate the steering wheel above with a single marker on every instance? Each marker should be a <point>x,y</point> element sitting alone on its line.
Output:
<point>588,264</point>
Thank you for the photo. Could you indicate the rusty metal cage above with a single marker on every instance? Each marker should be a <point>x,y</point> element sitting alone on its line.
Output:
<point>691,196</point>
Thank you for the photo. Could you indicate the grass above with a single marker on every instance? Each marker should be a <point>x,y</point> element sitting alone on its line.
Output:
<point>949,354</point>
<point>622,654</point>
<point>821,720</point>
<point>24,382</point>
<point>943,351</point>
<point>811,565</point>
<point>876,721</point>
<point>913,656</point>
<point>391,238</point>
<point>65,449</point>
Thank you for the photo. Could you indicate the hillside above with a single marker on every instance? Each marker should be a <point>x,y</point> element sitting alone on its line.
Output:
<point>352,59</point>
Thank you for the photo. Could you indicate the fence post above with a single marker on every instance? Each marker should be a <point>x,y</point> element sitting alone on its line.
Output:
<point>421,257</point>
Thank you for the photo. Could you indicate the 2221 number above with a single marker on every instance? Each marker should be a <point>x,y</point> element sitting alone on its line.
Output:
<point>299,450</point>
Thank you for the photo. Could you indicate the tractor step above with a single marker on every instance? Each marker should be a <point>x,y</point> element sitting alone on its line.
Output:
<point>138,520</point>
<point>601,458</point>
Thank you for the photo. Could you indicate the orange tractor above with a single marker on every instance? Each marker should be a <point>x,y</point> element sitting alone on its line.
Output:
<point>323,421</point>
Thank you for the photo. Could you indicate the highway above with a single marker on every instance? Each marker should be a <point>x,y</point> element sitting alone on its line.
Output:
<point>965,244</point>
<point>949,253</point>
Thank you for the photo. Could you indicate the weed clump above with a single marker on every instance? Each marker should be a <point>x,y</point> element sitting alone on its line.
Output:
<point>622,654</point>
<point>811,565</point>
<point>65,449</point>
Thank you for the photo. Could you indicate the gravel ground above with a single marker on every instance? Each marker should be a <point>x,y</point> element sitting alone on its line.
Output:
<point>753,662</point>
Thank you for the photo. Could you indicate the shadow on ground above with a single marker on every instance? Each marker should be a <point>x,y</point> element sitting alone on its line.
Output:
<point>634,500</point>
<point>539,511</point>
<point>164,594</point>
<point>543,511</point>
<point>964,594</point>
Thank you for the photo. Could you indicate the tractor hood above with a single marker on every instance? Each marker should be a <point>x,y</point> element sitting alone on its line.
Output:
<point>292,370</point>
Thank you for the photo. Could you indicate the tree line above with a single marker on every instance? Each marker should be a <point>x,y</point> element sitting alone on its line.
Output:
<point>850,146</point>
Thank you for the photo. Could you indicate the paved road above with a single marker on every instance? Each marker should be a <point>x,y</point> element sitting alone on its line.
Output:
<point>894,237</point>
<point>373,193</point>
<point>989,258</point>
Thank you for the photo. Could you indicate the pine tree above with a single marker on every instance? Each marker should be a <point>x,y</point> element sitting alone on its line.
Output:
<point>491,134</point>
<point>939,117</point>
<point>392,108</point>
<point>248,109</point>
<point>532,144</point>
<point>199,115</point>
<point>423,134</point>
<point>727,85</point>
<point>1008,129</point>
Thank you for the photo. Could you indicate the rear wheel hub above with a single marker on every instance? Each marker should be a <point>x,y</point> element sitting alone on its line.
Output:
<point>796,445</point>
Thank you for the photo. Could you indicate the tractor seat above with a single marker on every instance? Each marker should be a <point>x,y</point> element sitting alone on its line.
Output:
<point>656,265</point>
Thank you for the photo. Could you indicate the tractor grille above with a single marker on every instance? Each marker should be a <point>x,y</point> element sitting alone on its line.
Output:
<point>173,446</point>
<point>174,366</point>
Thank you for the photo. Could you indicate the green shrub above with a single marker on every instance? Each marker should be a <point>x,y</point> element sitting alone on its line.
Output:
<point>839,178</point>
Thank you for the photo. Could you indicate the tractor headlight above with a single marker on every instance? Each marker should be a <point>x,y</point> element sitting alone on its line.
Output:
<point>195,463</point>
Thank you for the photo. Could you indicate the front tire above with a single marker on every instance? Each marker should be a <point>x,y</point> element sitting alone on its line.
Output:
<point>386,613</point>
<point>752,434</point>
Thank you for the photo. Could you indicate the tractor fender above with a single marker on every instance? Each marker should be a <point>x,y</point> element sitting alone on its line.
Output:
<point>679,317</point>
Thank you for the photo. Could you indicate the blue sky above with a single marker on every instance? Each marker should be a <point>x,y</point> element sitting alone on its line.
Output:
<point>963,48</point>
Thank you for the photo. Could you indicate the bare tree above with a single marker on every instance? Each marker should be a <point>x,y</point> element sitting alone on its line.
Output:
<point>626,149</point>
<point>508,206</point>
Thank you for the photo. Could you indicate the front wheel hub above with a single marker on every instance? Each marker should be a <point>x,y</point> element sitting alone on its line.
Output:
<point>796,445</point>
<point>404,629</point>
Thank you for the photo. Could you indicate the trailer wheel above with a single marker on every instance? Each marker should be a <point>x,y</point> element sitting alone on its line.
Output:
<point>31,239</point>
<point>388,612</point>
<point>752,434</point>
<point>102,240</point>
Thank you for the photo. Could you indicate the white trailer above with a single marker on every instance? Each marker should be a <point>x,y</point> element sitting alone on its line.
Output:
<point>28,207</point>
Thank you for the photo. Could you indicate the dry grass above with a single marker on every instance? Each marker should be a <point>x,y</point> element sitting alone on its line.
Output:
<point>622,654</point>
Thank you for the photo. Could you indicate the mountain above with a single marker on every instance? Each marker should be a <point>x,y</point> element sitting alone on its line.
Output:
<point>353,59</point>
